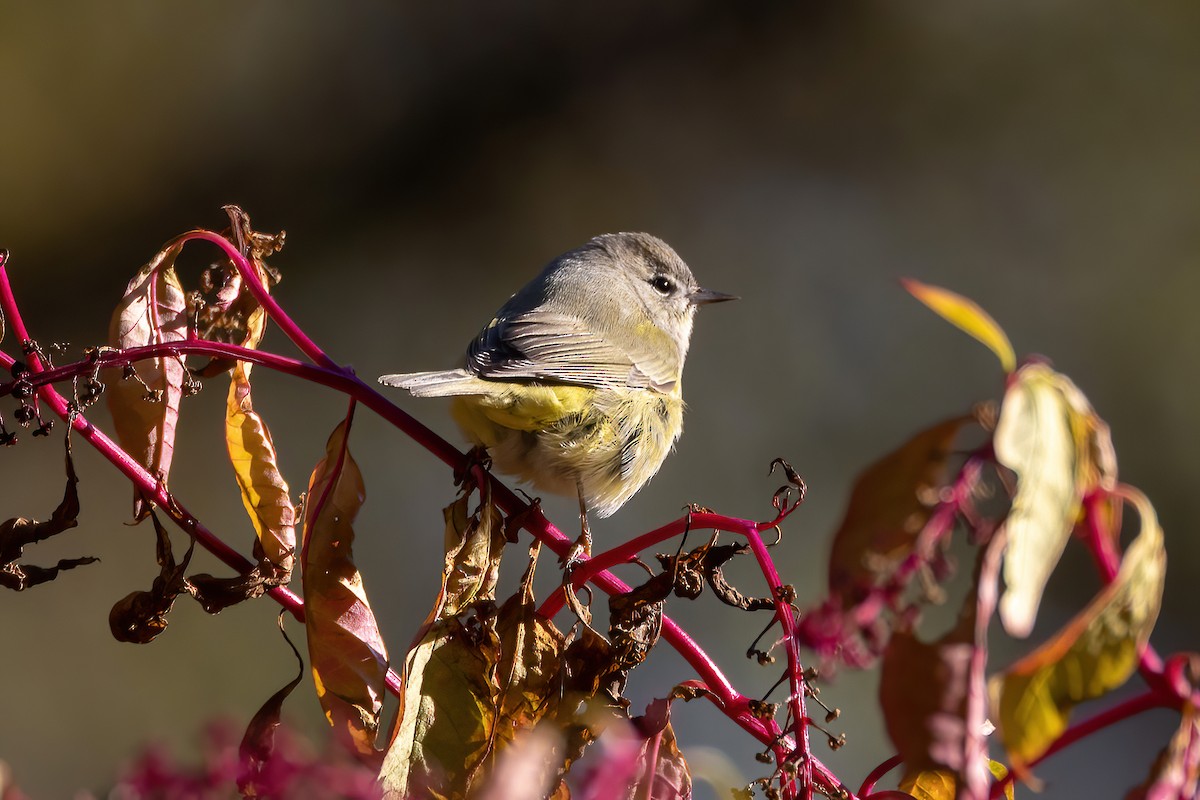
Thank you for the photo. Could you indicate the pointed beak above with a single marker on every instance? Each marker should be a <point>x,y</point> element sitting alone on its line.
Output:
<point>702,297</point>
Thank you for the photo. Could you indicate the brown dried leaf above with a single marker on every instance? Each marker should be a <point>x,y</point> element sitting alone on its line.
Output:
<point>923,692</point>
<point>215,594</point>
<point>663,772</point>
<point>18,532</point>
<point>530,659</point>
<point>145,409</point>
<point>890,504</point>
<point>141,616</point>
<point>265,493</point>
<point>348,656</point>
<point>1175,774</point>
<point>229,311</point>
<point>474,544</point>
<point>258,742</point>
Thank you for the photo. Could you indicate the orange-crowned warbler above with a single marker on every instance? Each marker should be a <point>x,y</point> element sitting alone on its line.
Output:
<point>574,386</point>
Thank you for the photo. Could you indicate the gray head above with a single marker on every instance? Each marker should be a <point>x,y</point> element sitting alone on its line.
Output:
<point>629,279</point>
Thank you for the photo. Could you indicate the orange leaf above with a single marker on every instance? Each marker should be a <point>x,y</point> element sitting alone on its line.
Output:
<point>967,316</point>
<point>347,653</point>
<point>264,491</point>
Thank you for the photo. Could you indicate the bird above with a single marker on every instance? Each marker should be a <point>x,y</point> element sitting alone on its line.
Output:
<point>575,385</point>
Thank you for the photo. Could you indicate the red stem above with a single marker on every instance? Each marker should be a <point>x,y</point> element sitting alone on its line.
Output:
<point>868,784</point>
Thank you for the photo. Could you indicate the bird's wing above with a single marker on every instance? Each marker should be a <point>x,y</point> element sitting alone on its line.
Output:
<point>553,346</point>
<point>438,384</point>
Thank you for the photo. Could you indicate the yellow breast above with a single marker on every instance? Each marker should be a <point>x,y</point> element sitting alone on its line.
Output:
<point>610,441</point>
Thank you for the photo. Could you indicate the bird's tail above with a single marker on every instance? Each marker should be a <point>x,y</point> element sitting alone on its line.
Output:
<point>439,384</point>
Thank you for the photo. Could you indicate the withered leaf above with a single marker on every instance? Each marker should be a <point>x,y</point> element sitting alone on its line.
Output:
<point>1051,438</point>
<point>349,659</point>
<point>229,312</point>
<point>634,625</point>
<point>446,713</point>
<point>145,408</point>
<point>705,564</point>
<point>141,616</point>
<point>470,687</point>
<point>215,594</point>
<point>1093,654</point>
<point>18,532</point>
<point>923,692</point>
<point>530,658</point>
<point>889,505</point>
<point>258,742</point>
<point>663,772</point>
<point>474,544</point>
<point>1175,773</point>
<point>264,491</point>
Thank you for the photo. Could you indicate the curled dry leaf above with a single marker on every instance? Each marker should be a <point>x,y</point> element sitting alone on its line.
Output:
<point>264,491</point>
<point>141,616</point>
<point>18,532</point>
<point>705,564</point>
<point>1096,652</point>
<point>347,653</point>
<point>258,742</point>
<point>663,772</point>
<point>1176,772</point>
<point>889,506</point>
<point>474,543</point>
<point>967,316</point>
<point>1051,438</point>
<point>145,405</point>
<point>226,310</point>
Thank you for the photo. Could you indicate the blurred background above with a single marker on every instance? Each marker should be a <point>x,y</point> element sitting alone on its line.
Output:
<point>1040,157</point>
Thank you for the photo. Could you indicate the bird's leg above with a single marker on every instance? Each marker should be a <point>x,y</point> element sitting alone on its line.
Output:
<point>582,548</point>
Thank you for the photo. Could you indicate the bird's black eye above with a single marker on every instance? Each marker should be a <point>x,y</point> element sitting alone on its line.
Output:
<point>662,284</point>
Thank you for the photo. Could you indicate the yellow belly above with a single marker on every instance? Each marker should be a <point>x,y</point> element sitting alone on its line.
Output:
<point>558,438</point>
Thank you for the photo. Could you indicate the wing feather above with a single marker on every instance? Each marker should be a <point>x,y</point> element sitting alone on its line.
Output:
<point>554,346</point>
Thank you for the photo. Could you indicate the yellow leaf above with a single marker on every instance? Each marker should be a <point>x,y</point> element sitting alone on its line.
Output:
<point>145,408</point>
<point>967,316</point>
<point>1051,438</point>
<point>940,784</point>
<point>1096,652</point>
<point>265,493</point>
<point>347,653</point>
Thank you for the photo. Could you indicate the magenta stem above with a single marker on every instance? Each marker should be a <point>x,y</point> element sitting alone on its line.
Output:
<point>868,784</point>
<point>251,280</point>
